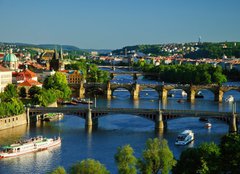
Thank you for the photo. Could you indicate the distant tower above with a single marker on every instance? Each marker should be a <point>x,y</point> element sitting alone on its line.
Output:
<point>61,54</point>
<point>199,39</point>
<point>54,62</point>
<point>125,52</point>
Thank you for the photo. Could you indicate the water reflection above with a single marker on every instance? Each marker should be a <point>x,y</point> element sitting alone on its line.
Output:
<point>38,161</point>
<point>8,136</point>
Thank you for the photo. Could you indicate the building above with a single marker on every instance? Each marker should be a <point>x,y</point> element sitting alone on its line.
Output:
<point>75,77</point>
<point>5,78</point>
<point>27,79</point>
<point>29,83</point>
<point>24,75</point>
<point>10,61</point>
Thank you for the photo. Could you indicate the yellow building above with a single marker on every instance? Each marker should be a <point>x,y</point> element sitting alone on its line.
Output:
<point>74,77</point>
<point>47,54</point>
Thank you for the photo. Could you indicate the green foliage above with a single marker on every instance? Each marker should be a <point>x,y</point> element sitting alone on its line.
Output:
<point>10,107</point>
<point>45,97</point>
<point>59,170</point>
<point>156,157</point>
<point>230,150</point>
<point>187,73</point>
<point>96,75</point>
<point>88,166</point>
<point>215,50</point>
<point>125,160</point>
<point>58,81</point>
<point>23,92</point>
<point>34,90</point>
<point>90,71</point>
<point>10,91</point>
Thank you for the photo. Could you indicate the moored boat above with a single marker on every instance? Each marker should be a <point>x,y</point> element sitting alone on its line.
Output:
<point>199,95</point>
<point>229,98</point>
<point>185,137</point>
<point>31,145</point>
<point>85,101</point>
<point>208,125</point>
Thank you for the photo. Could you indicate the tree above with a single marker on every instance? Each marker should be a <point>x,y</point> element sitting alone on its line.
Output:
<point>125,160</point>
<point>59,82</point>
<point>88,166</point>
<point>10,91</point>
<point>230,153</point>
<point>22,92</point>
<point>45,97</point>
<point>59,170</point>
<point>204,159</point>
<point>156,157</point>
<point>34,90</point>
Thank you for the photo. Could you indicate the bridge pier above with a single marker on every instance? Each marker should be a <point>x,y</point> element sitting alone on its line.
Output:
<point>233,124</point>
<point>218,96</point>
<point>135,76</point>
<point>109,91</point>
<point>135,92</point>
<point>88,121</point>
<point>81,91</point>
<point>159,124</point>
<point>164,94</point>
<point>191,95</point>
<point>27,115</point>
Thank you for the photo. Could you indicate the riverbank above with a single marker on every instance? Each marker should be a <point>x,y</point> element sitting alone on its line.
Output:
<point>13,121</point>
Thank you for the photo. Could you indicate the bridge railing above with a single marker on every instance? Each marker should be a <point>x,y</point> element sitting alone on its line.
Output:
<point>134,111</point>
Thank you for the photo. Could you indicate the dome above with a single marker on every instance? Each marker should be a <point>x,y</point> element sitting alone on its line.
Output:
<point>10,58</point>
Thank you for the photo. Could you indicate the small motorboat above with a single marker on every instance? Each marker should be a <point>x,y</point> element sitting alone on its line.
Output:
<point>229,98</point>
<point>203,119</point>
<point>170,95</point>
<point>185,137</point>
<point>208,125</point>
<point>184,94</point>
<point>180,101</point>
<point>199,95</point>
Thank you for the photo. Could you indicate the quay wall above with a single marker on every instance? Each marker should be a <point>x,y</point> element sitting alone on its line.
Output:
<point>13,121</point>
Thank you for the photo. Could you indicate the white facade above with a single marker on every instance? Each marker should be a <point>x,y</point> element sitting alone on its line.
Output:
<point>5,79</point>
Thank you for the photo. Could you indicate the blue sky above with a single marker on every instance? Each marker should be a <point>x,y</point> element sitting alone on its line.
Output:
<point>113,24</point>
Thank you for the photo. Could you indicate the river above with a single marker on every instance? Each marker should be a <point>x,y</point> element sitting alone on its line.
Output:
<point>113,131</point>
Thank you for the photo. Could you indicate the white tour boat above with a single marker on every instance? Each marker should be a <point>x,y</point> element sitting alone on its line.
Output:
<point>31,145</point>
<point>185,137</point>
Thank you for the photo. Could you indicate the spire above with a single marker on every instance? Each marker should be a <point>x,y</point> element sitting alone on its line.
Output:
<point>61,54</point>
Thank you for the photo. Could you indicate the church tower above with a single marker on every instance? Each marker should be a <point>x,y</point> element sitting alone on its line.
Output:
<point>54,62</point>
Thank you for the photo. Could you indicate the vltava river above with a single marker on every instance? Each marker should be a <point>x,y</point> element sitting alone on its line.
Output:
<point>113,131</point>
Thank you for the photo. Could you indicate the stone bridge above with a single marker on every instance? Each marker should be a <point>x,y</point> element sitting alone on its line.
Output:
<point>134,74</point>
<point>159,116</point>
<point>162,90</point>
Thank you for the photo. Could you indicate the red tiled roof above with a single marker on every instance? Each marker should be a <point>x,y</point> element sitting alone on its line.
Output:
<point>30,82</point>
<point>27,73</point>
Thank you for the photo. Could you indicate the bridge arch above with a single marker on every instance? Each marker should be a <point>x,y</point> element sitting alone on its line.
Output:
<point>120,90</point>
<point>232,92</point>
<point>205,93</point>
<point>146,91</point>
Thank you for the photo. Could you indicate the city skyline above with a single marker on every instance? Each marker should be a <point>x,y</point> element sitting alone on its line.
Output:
<point>112,25</point>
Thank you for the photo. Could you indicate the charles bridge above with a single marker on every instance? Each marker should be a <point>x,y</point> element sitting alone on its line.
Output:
<point>158,116</point>
<point>162,89</point>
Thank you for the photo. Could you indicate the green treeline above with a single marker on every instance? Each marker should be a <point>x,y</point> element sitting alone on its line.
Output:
<point>215,50</point>
<point>91,72</point>
<point>187,73</point>
<point>210,158</point>
<point>10,104</point>
<point>156,157</point>
<point>188,50</point>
